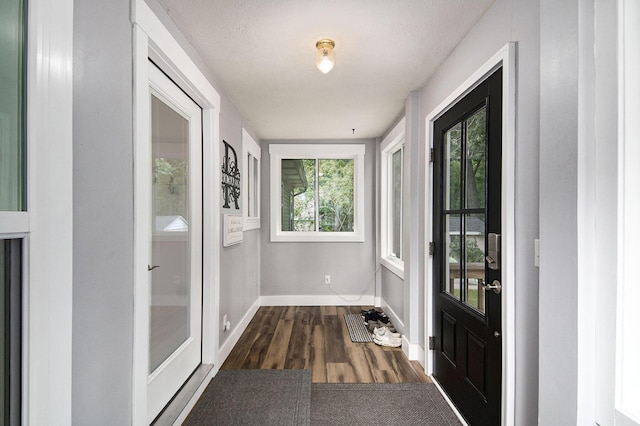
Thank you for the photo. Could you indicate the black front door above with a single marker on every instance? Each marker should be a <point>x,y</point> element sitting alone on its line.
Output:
<point>467,223</point>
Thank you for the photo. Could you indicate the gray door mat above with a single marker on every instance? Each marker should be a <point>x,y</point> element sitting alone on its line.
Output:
<point>358,330</point>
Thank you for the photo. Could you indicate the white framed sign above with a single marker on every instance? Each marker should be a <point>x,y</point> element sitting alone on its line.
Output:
<point>232,230</point>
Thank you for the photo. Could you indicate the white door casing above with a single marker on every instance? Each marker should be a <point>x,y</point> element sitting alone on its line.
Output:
<point>153,41</point>
<point>505,58</point>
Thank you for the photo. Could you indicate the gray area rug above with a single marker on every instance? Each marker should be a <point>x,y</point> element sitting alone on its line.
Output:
<point>379,404</point>
<point>255,397</point>
<point>358,331</point>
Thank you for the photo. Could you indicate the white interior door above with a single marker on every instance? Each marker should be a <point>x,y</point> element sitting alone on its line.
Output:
<point>175,240</point>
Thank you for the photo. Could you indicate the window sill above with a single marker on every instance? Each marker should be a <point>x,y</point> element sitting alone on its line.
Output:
<point>251,223</point>
<point>394,265</point>
<point>328,237</point>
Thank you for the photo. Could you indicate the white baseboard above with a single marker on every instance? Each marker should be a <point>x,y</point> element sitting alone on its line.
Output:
<point>316,300</point>
<point>228,345</point>
<point>413,351</point>
<point>377,301</point>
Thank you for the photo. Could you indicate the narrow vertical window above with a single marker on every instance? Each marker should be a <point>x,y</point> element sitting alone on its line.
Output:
<point>396,203</point>
<point>10,324</point>
<point>391,200</point>
<point>12,199</point>
<point>12,106</point>
<point>251,182</point>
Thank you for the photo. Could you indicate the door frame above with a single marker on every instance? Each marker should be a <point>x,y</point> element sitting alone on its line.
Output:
<point>505,58</point>
<point>152,40</point>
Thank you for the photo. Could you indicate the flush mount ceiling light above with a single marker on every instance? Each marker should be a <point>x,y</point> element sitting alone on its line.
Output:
<point>325,57</point>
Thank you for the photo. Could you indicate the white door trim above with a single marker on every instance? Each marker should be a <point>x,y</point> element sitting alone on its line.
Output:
<point>153,40</point>
<point>505,58</point>
<point>627,350</point>
<point>47,227</point>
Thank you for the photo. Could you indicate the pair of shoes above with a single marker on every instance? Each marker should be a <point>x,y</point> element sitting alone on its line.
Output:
<point>373,315</point>
<point>372,325</point>
<point>379,331</point>
<point>383,337</point>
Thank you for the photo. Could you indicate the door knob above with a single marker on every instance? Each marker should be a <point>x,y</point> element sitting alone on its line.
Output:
<point>495,286</point>
<point>151,268</point>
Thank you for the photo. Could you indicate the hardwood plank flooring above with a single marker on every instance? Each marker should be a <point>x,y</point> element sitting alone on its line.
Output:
<point>317,338</point>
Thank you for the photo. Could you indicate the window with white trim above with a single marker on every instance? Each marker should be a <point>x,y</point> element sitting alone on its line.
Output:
<point>251,153</point>
<point>391,195</point>
<point>317,192</point>
<point>14,218</point>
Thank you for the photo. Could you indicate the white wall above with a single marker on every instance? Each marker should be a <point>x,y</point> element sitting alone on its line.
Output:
<point>298,269</point>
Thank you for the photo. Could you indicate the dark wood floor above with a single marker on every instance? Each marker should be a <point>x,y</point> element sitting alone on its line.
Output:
<point>317,338</point>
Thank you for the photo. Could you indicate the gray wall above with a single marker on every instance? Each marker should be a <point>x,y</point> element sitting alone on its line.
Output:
<point>507,20</point>
<point>103,214</point>
<point>239,263</point>
<point>292,268</point>
<point>393,293</point>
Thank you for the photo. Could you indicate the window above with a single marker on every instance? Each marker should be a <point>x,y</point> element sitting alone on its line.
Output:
<point>317,192</point>
<point>12,107</point>
<point>251,153</point>
<point>392,184</point>
<point>12,204</point>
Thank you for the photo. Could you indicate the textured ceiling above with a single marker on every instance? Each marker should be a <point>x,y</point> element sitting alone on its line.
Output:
<point>263,51</point>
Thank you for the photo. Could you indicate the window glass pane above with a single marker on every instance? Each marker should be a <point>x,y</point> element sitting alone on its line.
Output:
<point>11,326</point>
<point>298,195</point>
<point>453,256</point>
<point>476,156</point>
<point>335,195</point>
<point>171,215</point>
<point>396,204</point>
<point>474,258</point>
<point>253,185</point>
<point>452,167</point>
<point>11,106</point>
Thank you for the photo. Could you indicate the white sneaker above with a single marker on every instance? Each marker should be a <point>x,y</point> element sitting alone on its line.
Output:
<point>387,339</point>
<point>385,330</point>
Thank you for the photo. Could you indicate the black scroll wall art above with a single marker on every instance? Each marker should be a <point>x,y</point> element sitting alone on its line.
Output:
<point>230,177</point>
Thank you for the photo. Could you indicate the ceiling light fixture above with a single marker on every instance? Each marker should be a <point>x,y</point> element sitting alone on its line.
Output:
<point>325,57</point>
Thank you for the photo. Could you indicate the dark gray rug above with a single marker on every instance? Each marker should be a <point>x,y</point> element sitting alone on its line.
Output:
<point>254,397</point>
<point>379,404</point>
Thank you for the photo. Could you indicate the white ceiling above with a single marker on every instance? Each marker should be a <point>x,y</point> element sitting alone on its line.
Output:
<point>262,51</point>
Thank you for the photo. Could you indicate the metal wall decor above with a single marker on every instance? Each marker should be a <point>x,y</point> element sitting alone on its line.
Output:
<point>230,177</point>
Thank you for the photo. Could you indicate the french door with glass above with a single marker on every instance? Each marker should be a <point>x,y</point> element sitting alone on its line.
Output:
<point>174,240</point>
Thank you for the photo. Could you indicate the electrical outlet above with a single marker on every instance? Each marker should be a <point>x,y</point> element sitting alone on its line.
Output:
<point>327,279</point>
